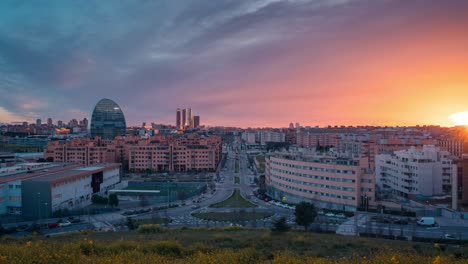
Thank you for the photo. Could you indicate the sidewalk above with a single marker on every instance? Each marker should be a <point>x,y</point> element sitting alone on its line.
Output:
<point>444,221</point>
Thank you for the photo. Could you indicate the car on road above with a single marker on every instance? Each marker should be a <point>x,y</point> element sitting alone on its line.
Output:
<point>321,212</point>
<point>450,237</point>
<point>21,228</point>
<point>63,222</point>
<point>426,221</point>
<point>196,206</point>
<point>341,216</point>
<point>53,225</point>
<point>74,220</point>
<point>400,221</point>
<point>330,214</point>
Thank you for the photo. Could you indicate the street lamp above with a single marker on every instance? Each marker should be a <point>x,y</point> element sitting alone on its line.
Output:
<point>45,209</point>
<point>39,205</point>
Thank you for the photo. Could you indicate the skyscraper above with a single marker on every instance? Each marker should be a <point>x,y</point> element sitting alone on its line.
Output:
<point>184,118</point>
<point>85,123</point>
<point>38,122</point>
<point>49,121</point>
<point>60,123</point>
<point>178,125</point>
<point>107,120</point>
<point>189,118</point>
<point>196,121</point>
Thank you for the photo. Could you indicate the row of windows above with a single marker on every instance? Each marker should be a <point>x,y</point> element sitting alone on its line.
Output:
<point>344,197</point>
<point>313,168</point>
<point>313,176</point>
<point>333,187</point>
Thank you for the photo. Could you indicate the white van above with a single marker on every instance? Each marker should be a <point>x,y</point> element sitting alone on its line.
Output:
<point>427,221</point>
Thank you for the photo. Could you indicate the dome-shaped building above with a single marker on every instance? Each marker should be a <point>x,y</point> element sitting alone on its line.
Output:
<point>107,120</point>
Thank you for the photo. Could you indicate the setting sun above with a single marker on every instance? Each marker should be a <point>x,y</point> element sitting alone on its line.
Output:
<point>460,118</point>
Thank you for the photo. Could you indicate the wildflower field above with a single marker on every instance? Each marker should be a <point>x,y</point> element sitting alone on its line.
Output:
<point>151,244</point>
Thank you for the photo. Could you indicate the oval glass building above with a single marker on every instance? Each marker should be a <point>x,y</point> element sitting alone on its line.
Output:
<point>107,120</point>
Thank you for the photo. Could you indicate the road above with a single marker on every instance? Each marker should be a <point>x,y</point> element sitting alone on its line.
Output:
<point>182,215</point>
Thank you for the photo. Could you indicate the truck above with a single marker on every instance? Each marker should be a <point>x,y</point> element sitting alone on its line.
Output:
<point>426,221</point>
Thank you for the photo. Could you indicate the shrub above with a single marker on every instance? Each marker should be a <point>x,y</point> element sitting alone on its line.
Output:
<point>280,225</point>
<point>97,199</point>
<point>169,248</point>
<point>150,229</point>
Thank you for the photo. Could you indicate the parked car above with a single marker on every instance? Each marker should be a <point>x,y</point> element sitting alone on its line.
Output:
<point>52,225</point>
<point>196,206</point>
<point>321,212</point>
<point>426,221</point>
<point>22,228</point>
<point>400,221</point>
<point>74,220</point>
<point>342,216</point>
<point>63,223</point>
<point>450,237</point>
<point>330,214</point>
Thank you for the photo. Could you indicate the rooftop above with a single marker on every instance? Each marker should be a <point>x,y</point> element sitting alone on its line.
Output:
<point>21,173</point>
<point>75,172</point>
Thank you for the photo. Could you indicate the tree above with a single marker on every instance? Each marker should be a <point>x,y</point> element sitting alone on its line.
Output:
<point>280,225</point>
<point>131,224</point>
<point>305,214</point>
<point>113,199</point>
<point>97,199</point>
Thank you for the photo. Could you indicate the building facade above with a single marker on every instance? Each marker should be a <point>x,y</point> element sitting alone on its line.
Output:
<point>158,153</point>
<point>328,182</point>
<point>312,140</point>
<point>196,121</point>
<point>408,173</point>
<point>271,136</point>
<point>108,120</point>
<point>70,189</point>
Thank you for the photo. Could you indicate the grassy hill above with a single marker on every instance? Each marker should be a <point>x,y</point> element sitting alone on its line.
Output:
<point>152,244</point>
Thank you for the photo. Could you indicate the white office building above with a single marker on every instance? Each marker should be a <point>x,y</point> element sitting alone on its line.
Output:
<point>427,171</point>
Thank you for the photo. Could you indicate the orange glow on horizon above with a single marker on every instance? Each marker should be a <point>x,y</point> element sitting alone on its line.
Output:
<point>460,118</point>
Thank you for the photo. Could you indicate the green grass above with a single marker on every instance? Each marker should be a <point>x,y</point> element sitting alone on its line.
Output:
<point>232,216</point>
<point>234,201</point>
<point>236,180</point>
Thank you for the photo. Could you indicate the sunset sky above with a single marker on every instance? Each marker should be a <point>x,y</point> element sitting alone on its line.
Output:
<point>239,63</point>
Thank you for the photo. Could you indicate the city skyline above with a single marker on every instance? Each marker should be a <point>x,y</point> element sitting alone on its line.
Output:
<point>243,63</point>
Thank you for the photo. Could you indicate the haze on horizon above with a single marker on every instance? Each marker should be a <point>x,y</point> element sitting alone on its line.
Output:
<point>240,63</point>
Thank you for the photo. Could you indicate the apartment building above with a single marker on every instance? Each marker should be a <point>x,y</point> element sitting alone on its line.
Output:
<point>328,182</point>
<point>427,171</point>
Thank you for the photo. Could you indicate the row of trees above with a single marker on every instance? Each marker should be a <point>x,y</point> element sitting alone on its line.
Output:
<point>305,214</point>
<point>112,200</point>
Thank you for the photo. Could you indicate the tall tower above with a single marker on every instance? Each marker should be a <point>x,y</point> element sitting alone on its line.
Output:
<point>184,118</point>
<point>85,124</point>
<point>189,118</point>
<point>38,122</point>
<point>49,121</point>
<point>196,121</point>
<point>178,119</point>
<point>107,120</point>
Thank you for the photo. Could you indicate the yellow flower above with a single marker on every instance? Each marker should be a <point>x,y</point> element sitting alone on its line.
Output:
<point>436,260</point>
<point>28,244</point>
<point>394,260</point>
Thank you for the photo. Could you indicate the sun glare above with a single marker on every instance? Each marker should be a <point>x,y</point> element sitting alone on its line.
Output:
<point>460,118</point>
